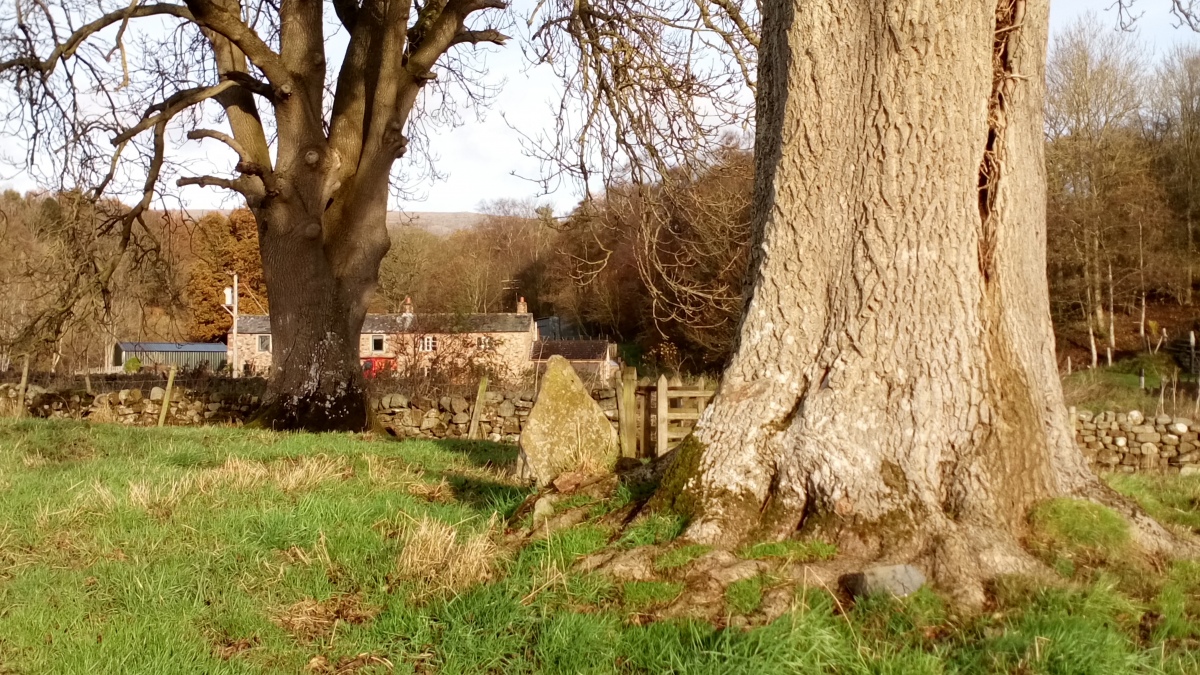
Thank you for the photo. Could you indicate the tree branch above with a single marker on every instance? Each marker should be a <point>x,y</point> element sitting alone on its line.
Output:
<point>347,13</point>
<point>198,134</point>
<point>209,181</point>
<point>220,20</point>
<point>68,47</point>
<point>477,36</point>
<point>249,187</point>
<point>251,84</point>
<point>171,107</point>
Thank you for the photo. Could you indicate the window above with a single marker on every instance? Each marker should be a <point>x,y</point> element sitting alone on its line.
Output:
<point>428,344</point>
<point>484,343</point>
<point>264,343</point>
<point>377,343</point>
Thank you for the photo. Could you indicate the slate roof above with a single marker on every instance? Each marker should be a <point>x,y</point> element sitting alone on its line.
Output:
<point>571,350</point>
<point>393,324</point>
<point>249,324</point>
<point>191,347</point>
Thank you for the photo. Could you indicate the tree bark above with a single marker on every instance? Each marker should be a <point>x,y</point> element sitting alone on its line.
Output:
<point>318,302</point>
<point>894,385</point>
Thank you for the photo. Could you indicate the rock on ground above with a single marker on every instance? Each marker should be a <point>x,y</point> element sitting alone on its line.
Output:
<point>566,430</point>
<point>897,580</point>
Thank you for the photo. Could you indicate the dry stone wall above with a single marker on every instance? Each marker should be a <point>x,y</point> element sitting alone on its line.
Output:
<point>501,419</point>
<point>1134,442</point>
<point>1112,441</point>
<point>134,406</point>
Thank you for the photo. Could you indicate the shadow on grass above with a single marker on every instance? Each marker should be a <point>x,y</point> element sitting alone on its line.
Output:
<point>483,453</point>
<point>487,495</point>
<point>479,492</point>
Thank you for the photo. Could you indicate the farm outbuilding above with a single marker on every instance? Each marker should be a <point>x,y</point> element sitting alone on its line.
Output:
<point>183,355</point>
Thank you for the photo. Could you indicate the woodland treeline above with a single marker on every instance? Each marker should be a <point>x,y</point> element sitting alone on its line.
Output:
<point>659,266</point>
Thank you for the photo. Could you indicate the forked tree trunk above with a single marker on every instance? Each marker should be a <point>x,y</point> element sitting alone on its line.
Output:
<point>894,384</point>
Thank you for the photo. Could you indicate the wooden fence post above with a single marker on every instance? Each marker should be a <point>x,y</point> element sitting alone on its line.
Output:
<point>660,447</point>
<point>478,409</point>
<point>24,385</point>
<point>166,402</point>
<point>627,412</point>
<point>643,422</point>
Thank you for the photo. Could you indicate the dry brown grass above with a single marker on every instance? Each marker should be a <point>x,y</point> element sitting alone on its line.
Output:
<point>159,501</point>
<point>439,492</point>
<point>319,555</point>
<point>289,475</point>
<point>103,414</point>
<point>440,559</point>
<point>34,461</point>
<point>310,619</point>
<point>97,499</point>
<point>347,664</point>
<point>8,407</point>
<point>386,472</point>
<point>227,648</point>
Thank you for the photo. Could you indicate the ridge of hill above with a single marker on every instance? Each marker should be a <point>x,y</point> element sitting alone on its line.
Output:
<point>441,223</point>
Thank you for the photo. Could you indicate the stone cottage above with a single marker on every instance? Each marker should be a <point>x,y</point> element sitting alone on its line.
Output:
<point>498,343</point>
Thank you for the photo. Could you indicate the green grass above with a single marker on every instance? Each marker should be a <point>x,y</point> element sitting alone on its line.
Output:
<point>745,596</point>
<point>678,557</point>
<point>791,551</point>
<point>219,550</point>
<point>652,529</point>
<point>643,595</point>
<point>1117,388</point>
<point>1079,524</point>
<point>1170,499</point>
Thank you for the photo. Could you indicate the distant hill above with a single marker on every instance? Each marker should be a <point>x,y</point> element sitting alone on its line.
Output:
<point>440,223</point>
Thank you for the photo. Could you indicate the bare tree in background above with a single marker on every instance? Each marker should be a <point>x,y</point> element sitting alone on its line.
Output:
<point>313,150</point>
<point>54,307</point>
<point>313,137</point>
<point>1094,101</point>
<point>648,85</point>
<point>1177,106</point>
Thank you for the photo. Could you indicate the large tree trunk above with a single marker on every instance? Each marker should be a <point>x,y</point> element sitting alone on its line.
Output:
<point>318,296</point>
<point>894,384</point>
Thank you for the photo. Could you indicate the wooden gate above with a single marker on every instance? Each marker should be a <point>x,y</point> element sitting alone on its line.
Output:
<point>653,419</point>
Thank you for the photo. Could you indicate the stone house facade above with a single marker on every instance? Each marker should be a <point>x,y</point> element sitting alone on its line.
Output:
<point>408,343</point>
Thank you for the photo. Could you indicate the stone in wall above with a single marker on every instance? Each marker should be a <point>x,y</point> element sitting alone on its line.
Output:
<point>1132,442</point>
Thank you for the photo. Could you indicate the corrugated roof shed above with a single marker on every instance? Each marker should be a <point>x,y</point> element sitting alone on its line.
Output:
<point>169,347</point>
<point>571,350</point>
<point>392,324</point>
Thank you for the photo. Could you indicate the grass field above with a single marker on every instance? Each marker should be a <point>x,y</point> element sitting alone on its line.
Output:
<point>1118,388</point>
<point>229,551</point>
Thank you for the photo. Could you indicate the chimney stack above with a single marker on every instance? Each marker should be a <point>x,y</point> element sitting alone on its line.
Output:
<point>522,307</point>
<point>408,305</point>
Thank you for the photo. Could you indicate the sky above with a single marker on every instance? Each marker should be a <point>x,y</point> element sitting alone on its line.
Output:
<point>483,159</point>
